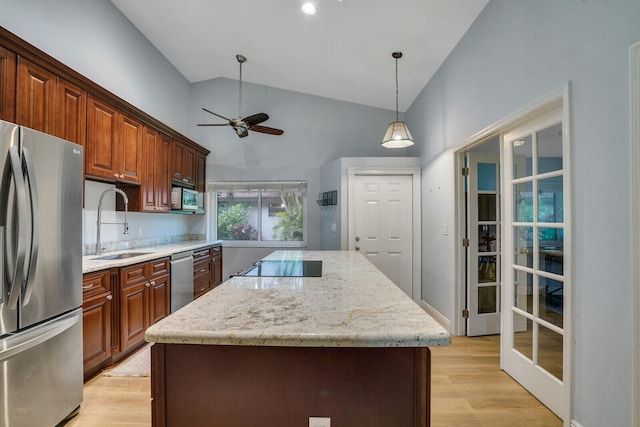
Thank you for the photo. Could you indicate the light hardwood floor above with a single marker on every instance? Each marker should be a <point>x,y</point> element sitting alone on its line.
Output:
<point>468,390</point>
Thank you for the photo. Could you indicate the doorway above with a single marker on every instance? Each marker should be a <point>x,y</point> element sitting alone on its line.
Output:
<point>531,255</point>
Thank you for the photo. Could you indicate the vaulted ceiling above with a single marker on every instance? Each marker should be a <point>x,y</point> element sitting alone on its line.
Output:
<point>341,52</point>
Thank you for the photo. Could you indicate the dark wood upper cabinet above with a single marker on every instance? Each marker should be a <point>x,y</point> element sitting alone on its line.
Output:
<point>100,153</point>
<point>201,172</point>
<point>7,85</point>
<point>36,97</point>
<point>71,113</point>
<point>129,149</point>
<point>155,188</point>
<point>183,164</point>
<point>162,173</point>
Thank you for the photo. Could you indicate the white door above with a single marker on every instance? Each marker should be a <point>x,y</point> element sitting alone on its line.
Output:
<point>382,225</point>
<point>536,273</point>
<point>483,231</point>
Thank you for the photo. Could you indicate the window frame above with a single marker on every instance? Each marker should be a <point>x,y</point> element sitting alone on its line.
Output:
<point>260,186</point>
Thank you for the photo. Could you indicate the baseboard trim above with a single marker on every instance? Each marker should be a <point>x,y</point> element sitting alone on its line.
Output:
<point>446,323</point>
<point>574,423</point>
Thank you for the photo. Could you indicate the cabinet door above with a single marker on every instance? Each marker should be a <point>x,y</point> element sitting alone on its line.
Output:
<point>216,271</point>
<point>162,174</point>
<point>36,97</point>
<point>7,85</point>
<point>148,182</point>
<point>201,165</point>
<point>71,113</point>
<point>189,167</point>
<point>133,314</point>
<point>159,299</point>
<point>177,160</point>
<point>129,150</point>
<point>96,329</point>
<point>102,139</point>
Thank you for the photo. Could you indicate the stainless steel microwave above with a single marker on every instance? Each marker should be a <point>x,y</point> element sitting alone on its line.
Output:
<point>184,199</point>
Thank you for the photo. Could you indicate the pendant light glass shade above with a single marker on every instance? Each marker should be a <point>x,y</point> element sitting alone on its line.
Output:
<point>397,134</point>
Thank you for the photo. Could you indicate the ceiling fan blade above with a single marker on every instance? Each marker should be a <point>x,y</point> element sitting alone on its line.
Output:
<point>255,119</point>
<point>216,114</point>
<point>267,130</point>
<point>212,124</point>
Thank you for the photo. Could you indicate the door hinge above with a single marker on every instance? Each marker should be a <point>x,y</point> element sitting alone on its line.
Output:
<point>465,243</point>
<point>465,171</point>
<point>465,314</point>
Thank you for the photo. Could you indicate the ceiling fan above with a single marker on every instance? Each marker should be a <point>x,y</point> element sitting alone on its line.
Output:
<point>242,126</point>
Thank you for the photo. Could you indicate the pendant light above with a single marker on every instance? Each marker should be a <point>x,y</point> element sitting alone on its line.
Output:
<point>397,134</point>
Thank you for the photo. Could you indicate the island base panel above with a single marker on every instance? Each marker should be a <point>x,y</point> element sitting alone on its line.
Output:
<point>240,386</point>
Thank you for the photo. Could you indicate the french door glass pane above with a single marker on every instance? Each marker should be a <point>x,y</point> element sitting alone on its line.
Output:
<point>550,149</point>
<point>523,290</point>
<point>487,177</point>
<point>550,351</point>
<point>523,196</point>
<point>487,269</point>
<point>487,207</point>
<point>487,299</point>
<point>550,200</point>
<point>523,335</point>
<point>551,301</point>
<point>487,238</point>
<point>523,244</point>
<point>522,155</point>
<point>550,255</point>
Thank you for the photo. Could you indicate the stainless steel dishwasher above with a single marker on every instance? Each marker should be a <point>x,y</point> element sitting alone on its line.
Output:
<point>181,279</point>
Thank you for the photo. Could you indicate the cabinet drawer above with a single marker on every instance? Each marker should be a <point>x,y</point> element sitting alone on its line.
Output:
<point>159,267</point>
<point>216,250</point>
<point>202,268</point>
<point>201,255</point>
<point>133,274</point>
<point>96,283</point>
<point>201,284</point>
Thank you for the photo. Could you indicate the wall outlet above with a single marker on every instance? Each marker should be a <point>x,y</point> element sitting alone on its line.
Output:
<point>319,422</point>
<point>334,227</point>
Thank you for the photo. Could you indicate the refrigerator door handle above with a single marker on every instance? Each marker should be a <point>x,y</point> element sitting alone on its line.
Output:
<point>13,169</point>
<point>35,223</point>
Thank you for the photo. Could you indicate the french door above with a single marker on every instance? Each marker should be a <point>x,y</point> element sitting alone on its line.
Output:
<point>483,260</point>
<point>536,256</point>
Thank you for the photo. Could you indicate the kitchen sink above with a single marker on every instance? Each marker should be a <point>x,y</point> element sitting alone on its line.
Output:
<point>121,256</point>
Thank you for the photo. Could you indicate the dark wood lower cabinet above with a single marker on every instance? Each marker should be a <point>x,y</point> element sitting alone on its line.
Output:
<point>96,322</point>
<point>239,386</point>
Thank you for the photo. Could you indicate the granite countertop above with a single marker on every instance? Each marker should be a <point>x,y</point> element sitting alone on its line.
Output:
<point>90,263</point>
<point>352,305</point>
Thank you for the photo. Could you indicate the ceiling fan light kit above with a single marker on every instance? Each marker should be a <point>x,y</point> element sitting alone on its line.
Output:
<point>240,125</point>
<point>397,134</point>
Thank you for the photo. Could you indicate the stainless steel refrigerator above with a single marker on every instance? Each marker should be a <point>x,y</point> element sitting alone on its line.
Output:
<point>41,374</point>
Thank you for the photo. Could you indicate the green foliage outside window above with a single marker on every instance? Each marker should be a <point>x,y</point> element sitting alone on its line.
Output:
<point>290,225</point>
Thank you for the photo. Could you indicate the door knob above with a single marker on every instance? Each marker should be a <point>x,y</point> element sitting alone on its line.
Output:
<point>357,248</point>
<point>524,251</point>
<point>357,239</point>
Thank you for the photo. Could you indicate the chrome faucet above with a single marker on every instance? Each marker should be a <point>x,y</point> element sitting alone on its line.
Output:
<point>125,223</point>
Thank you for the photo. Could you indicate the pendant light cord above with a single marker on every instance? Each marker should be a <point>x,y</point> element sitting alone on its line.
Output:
<point>397,119</point>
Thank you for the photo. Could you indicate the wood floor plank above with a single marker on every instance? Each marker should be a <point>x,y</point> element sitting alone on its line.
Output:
<point>468,390</point>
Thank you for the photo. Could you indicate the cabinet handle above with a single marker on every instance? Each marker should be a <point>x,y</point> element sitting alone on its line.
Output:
<point>121,176</point>
<point>87,287</point>
<point>153,283</point>
<point>148,285</point>
<point>109,297</point>
<point>202,289</point>
<point>185,179</point>
<point>204,269</point>
<point>115,174</point>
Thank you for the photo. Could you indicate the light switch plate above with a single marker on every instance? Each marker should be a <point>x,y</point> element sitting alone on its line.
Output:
<point>319,422</point>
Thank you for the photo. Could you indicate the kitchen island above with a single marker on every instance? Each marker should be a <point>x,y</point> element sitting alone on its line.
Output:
<point>275,351</point>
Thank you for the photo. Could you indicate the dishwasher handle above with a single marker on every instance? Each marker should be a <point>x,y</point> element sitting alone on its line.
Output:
<point>181,255</point>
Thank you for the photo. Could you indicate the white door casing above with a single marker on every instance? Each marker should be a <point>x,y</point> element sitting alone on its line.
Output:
<point>382,215</point>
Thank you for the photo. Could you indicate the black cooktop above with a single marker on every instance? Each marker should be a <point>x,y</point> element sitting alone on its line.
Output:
<point>281,268</point>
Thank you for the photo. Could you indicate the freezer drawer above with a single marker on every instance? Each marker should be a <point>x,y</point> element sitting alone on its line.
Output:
<point>41,373</point>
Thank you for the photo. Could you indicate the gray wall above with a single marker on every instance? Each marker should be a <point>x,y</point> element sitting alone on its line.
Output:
<point>517,51</point>
<point>317,131</point>
<point>95,39</point>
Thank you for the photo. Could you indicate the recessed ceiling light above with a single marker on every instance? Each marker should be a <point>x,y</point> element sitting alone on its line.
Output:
<point>309,8</point>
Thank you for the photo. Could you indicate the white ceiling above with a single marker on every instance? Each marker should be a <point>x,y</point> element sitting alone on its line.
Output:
<point>342,52</point>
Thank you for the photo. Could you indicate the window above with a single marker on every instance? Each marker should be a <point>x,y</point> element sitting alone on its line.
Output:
<point>260,213</point>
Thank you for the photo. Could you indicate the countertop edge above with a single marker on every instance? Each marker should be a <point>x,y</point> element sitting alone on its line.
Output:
<point>90,264</point>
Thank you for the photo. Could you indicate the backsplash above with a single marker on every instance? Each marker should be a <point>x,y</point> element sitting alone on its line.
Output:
<point>141,243</point>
